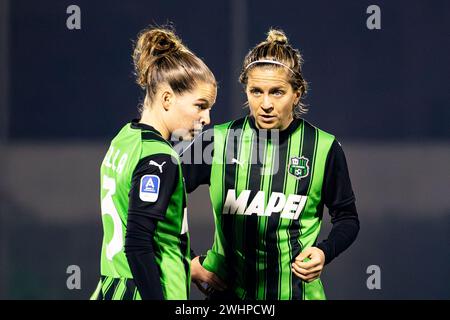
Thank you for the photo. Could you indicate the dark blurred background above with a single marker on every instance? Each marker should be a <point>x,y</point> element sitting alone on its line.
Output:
<point>384,93</point>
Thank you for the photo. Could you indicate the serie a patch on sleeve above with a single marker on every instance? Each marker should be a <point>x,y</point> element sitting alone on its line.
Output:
<point>149,189</point>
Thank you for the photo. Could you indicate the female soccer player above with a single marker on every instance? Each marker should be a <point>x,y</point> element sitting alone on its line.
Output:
<point>270,176</point>
<point>145,252</point>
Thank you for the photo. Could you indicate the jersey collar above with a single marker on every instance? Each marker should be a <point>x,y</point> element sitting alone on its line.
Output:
<point>135,124</point>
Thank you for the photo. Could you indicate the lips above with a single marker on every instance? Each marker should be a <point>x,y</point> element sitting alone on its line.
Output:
<point>266,117</point>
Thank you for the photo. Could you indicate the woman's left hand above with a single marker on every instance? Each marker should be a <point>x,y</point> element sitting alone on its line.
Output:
<point>310,270</point>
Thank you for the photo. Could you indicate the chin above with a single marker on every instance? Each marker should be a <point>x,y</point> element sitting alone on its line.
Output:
<point>188,137</point>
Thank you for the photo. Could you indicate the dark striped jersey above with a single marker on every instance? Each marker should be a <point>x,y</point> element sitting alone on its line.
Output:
<point>268,190</point>
<point>142,183</point>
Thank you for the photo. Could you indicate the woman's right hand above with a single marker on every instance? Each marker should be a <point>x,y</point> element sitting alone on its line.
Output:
<point>200,276</point>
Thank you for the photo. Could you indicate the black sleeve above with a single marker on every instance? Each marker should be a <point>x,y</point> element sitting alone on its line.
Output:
<point>152,185</point>
<point>153,182</point>
<point>196,160</point>
<point>338,196</point>
<point>141,257</point>
<point>193,254</point>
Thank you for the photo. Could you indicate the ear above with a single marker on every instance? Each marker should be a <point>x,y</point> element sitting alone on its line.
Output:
<point>167,98</point>
<point>298,95</point>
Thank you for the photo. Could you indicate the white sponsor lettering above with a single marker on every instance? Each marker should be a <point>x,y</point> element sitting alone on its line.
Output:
<point>290,208</point>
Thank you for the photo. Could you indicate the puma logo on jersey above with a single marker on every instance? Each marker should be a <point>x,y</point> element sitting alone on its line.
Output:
<point>236,161</point>
<point>289,208</point>
<point>154,163</point>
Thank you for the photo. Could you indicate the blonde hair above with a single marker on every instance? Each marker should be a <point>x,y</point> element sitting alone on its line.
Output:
<point>160,57</point>
<point>276,47</point>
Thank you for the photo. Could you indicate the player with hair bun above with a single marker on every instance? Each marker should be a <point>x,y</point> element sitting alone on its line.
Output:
<point>146,251</point>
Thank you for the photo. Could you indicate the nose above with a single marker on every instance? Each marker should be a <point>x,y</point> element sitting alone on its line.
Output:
<point>205,120</point>
<point>266,104</point>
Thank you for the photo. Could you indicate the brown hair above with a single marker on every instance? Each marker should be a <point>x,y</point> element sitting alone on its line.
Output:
<point>277,48</point>
<point>160,57</point>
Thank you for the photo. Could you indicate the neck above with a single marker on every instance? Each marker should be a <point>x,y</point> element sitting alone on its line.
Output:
<point>151,116</point>
<point>286,125</point>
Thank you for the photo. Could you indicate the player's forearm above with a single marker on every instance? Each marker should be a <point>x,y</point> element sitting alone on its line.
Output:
<point>145,275</point>
<point>141,257</point>
<point>343,233</point>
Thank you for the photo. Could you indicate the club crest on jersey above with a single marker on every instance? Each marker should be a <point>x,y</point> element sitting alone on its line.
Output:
<point>299,167</point>
<point>149,189</point>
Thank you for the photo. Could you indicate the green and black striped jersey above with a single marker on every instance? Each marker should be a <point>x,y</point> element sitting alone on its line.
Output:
<point>141,176</point>
<point>266,190</point>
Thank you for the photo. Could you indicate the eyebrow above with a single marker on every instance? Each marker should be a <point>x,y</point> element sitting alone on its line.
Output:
<point>270,89</point>
<point>204,101</point>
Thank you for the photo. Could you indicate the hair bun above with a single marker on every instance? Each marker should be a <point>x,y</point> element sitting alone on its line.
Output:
<point>153,43</point>
<point>276,35</point>
<point>163,42</point>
